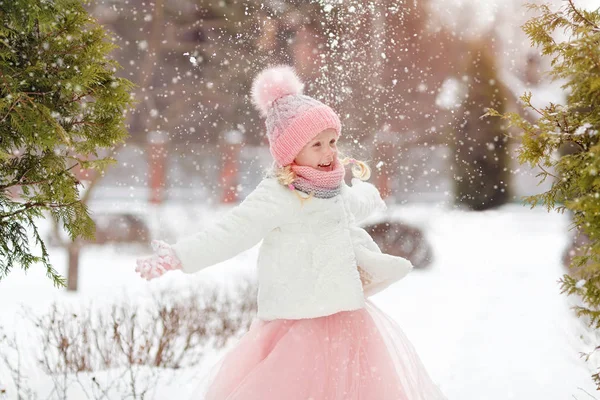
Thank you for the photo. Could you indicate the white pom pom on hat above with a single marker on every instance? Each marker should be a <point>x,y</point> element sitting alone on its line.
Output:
<point>273,83</point>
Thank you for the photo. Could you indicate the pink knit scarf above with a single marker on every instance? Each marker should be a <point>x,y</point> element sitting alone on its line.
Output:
<point>324,184</point>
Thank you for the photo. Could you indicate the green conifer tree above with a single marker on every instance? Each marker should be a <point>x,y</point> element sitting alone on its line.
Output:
<point>576,180</point>
<point>61,108</point>
<point>481,176</point>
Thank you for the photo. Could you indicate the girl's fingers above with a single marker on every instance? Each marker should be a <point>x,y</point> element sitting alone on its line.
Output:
<point>158,264</point>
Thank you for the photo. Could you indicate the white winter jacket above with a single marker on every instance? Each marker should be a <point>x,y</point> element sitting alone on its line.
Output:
<point>307,264</point>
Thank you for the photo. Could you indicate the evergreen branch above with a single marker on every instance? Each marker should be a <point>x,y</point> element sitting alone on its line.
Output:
<point>77,98</point>
<point>533,107</point>
<point>71,50</point>
<point>14,183</point>
<point>85,123</point>
<point>19,182</point>
<point>566,124</point>
<point>596,27</point>
<point>51,273</point>
<point>4,79</point>
<point>38,93</point>
<point>568,132</point>
<point>37,204</point>
<point>55,34</point>
<point>546,172</point>
<point>19,114</point>
<point>10,29</point>
<point>13,105</point>
<point>59,128</point>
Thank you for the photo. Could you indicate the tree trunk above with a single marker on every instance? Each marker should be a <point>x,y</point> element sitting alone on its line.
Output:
<point>72,277</point>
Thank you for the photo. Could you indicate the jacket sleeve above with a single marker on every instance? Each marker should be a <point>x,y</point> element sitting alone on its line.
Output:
<point>363,199</point>
<point>381,269</point>
<point>239,229</point>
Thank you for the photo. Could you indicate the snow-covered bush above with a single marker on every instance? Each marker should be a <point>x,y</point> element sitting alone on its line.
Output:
<point>124,343</point>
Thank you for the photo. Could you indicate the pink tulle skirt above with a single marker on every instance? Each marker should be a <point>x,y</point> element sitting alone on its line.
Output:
<point>351,355</point>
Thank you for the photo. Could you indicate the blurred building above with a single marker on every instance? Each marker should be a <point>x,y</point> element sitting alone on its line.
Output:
<point>381,66</point>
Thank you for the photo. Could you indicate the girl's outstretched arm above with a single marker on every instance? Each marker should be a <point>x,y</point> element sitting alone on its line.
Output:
<point>239,229</point>
<point>363,199</point>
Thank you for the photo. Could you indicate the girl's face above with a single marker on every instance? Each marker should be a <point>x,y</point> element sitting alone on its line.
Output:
<point>321,152</point>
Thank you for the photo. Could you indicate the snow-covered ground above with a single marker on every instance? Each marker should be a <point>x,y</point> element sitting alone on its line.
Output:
<point>486,316</point>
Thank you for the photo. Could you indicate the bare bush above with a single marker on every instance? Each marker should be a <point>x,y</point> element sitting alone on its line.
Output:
<point>170,329</point>
<point>12,358</point>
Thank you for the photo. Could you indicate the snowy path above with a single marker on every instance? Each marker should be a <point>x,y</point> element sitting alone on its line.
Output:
<point>487,316</point>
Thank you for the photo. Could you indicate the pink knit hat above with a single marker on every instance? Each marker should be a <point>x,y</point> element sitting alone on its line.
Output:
<point>293,119</point>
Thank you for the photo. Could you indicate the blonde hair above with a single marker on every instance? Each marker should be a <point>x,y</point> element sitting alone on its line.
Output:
<point>360,170</point>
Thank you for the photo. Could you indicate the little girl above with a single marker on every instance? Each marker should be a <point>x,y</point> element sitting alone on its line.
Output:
<point>316,337</point>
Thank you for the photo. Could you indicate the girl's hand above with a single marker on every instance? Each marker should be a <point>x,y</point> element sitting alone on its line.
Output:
<point>154,266</point>
<point>365,278</point>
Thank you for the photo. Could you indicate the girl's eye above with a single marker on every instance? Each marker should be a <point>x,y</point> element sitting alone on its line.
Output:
<point>317,144</point>
<point>332,141</point>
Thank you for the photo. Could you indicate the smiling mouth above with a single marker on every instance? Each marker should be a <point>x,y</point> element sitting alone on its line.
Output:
<point>327,166</point>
